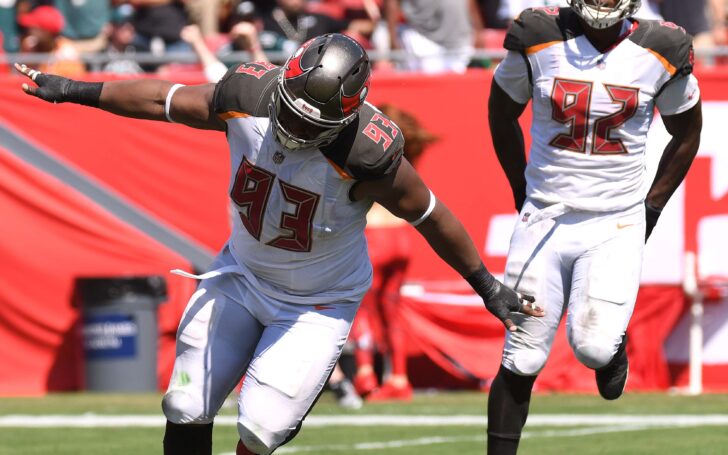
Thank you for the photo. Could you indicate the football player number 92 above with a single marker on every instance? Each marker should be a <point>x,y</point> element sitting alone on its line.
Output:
<point>571,102</point>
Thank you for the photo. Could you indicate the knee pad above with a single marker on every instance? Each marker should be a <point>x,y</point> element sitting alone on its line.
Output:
<point>253,438</point>
<point>592,355</point>
<point>181,407</point>
<point>526,362</point>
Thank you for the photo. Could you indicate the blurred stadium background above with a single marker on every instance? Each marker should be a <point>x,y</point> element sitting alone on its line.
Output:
<point>98,209</point>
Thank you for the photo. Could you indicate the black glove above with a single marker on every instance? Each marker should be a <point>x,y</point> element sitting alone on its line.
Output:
<point>57,89</point>
<point>501,300</point>
<point>651,216</point>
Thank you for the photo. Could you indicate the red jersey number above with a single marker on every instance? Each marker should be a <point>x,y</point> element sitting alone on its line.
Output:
<point>628,100</point>
<point>571,103</point>
<point>255,69</point>
<point>251,192</point>
<point>381,130</point>
<point>300,222</point>
<point>550,10</point>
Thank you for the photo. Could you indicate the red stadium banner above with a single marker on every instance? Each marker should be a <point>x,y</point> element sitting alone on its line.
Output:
<point>178,177</point>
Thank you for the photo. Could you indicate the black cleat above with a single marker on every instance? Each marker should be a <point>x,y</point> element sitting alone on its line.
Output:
<point>612,378</point>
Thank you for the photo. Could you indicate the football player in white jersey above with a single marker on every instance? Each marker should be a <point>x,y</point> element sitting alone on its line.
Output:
<point>594,75</point>
<point>309,158</point>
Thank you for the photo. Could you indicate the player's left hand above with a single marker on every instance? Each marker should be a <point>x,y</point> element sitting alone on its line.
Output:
<point>506,300</point>
<point>51,88</point>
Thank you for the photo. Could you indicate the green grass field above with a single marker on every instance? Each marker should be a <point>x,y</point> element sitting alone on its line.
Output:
<point>442,423</point>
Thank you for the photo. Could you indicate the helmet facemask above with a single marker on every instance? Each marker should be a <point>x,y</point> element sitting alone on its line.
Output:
<point>297,125</point>
<point>599,16</point>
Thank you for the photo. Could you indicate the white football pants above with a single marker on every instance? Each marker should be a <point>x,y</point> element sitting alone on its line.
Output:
<point>286,352</point>
<point>584,264</point>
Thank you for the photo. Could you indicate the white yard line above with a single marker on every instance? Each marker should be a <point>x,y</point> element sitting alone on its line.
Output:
<point>588,424</point>
<point>479,439</point>
<point>378,445</point>
<point>536,420</point>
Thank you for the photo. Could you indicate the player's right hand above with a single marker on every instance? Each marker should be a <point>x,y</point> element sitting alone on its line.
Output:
<point>652,214</point>
<point>51,88</point>
<point>506,300</point>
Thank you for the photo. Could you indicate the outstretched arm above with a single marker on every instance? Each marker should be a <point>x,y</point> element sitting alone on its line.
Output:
<point>676,160</point>
<point>405,195</point>
<point>140,98</point>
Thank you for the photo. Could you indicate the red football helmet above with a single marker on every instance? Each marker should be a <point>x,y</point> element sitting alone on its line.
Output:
<point>320,90</point>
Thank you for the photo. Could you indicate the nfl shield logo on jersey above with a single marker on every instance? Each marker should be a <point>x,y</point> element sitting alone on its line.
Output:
<point>278,157</point>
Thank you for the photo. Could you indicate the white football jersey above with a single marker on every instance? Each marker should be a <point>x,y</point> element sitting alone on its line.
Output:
<point>592,110</point>
<point>296,229</point>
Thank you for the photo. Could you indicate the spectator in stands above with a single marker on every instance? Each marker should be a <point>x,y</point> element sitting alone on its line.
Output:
<point>362,9</point>
<point>244,34</point>
<point>120,38</point>
<point>86,23</point>
<point>206,14</point>
<point>240,39</point>
<point>158,24</point>
<point>41,34</point>
<point>378,323</point>
<point>9,26</point>
<point>704,20</point>
<point>289,24</point>
<point>238,11</point>
<point>436,36</point>
<point>363,17</point>
<point>25,6</point>
<point>212,67</point>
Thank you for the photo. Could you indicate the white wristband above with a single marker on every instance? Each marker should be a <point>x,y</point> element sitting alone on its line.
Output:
<point>168,101</point>
<point>427,213</point>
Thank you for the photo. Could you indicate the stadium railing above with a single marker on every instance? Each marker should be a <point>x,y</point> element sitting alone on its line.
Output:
<point>95,62</point>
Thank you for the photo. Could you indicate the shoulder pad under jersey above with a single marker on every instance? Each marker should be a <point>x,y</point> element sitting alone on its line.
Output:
<point>369,148</point>
<point>536,28</point>
<point>246,89</point>
<point>670,43</point>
